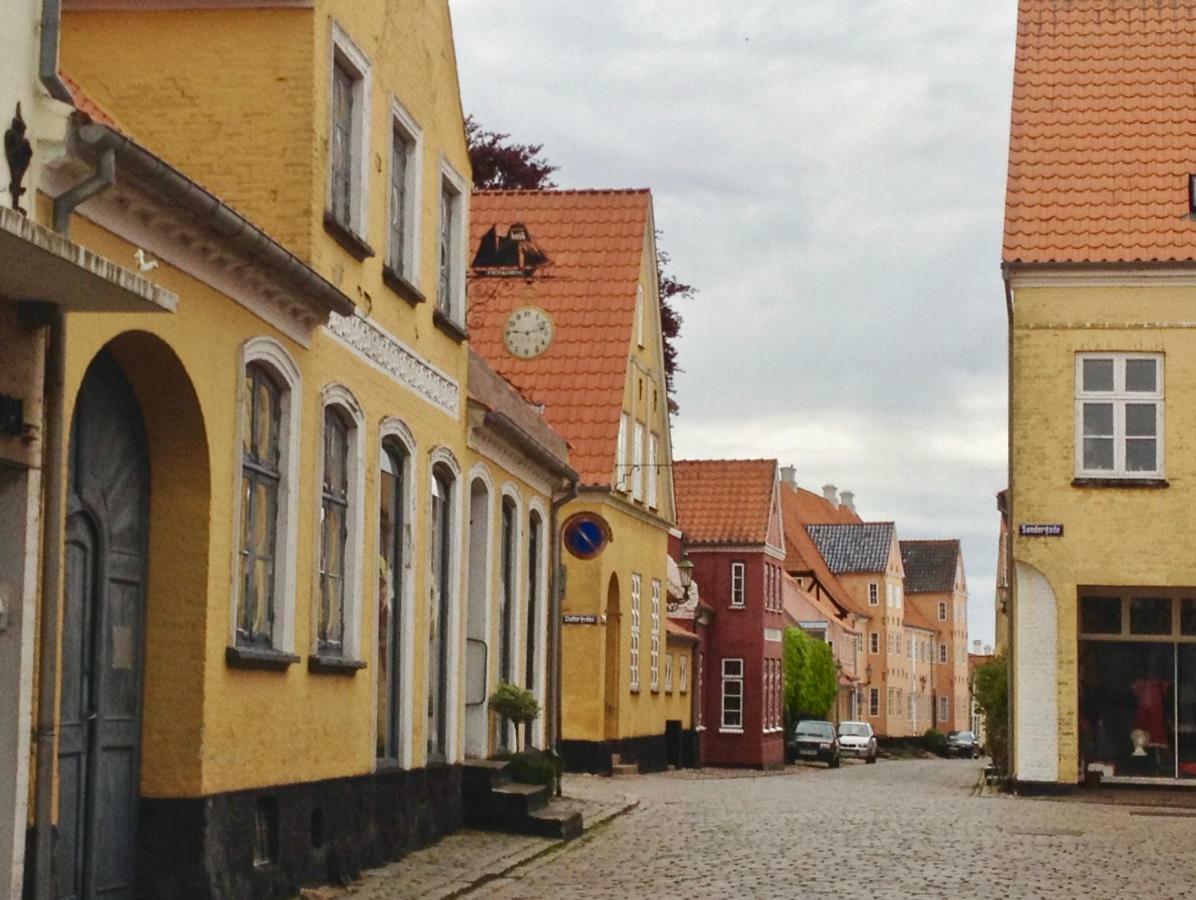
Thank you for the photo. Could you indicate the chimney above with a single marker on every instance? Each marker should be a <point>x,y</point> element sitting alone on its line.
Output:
<point>789,476</point>
<point>847,499</point>
<point>830,494</point>
<point>976,646</point>
<point>988,649</point>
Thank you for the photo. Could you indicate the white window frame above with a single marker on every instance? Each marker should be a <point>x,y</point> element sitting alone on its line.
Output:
<point>944,708</point>
<point>346,54</point>
<point>405,128</point>
<point>621,453</point>
<point>637,462</point>
<point>652,481</point>
<point>873,594</point>
<point>683,673</point>
<point>338,396</point>
<point>738,585</point>
<point>273,356</point>
<point>943,654</point>
<point>654,638</point>
<point>942,610</point>
<point>732,677</point>
<point>634,647</point>
<point>1119,398</point>
<point>453,307</point>
<point>873,702</point>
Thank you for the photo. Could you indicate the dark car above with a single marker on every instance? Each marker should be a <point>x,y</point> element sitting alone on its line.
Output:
<point>814,740</point>
<point>962,743</point>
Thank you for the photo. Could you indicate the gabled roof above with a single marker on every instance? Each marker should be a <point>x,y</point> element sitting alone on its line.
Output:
<point>815,509</point>
<point>594,242</point>
<point>861,547</point>
<point>1103,132</point>
<point>801,554</point>
<point>915,618</point>
<point>930,566</point>
<point>724,501</point>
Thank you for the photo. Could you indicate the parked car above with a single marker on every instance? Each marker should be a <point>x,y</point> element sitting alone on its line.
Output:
<point>962,743</point>
<point>815,740</point>
<point>857,739</point>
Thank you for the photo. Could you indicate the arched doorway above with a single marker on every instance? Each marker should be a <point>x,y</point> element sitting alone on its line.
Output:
<point>103,637</point>
<point>477,688</point>
<point>614,661</point>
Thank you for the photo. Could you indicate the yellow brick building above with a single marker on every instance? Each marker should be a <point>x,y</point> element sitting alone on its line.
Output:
<point>268,500</point>
<point>1098,252</point>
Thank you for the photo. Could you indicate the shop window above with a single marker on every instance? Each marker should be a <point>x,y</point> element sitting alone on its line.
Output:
<point>1150,615</point>
<point>1187,616</point>
<point>1100,615</point>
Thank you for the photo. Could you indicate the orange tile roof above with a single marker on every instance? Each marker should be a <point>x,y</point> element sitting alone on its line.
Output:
<point>594,242</point>
<point>815,509</point>
<point>724,501</point>
<point>801,553</point>
<point>1103,133</point>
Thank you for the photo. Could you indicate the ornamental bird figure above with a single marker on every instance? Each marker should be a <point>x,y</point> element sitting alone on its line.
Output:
<point>18,152</point>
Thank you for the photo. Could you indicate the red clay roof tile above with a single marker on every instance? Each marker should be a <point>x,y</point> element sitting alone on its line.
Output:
<point>595,242</point>
<point>1103,132</point>
<point>724,501</point>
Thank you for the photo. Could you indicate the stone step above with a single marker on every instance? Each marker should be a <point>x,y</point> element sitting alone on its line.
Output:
<point>624,770</point>
<point>479,776</point>
<point>555,821</point>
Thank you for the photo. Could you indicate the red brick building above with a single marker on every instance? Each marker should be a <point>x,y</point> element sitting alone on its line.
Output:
<point>730,514</point>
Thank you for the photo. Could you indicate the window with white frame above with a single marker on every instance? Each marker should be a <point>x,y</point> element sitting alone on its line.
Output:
<point>668,672</point>
<point>943,653</point>
<point>942,610</point>
<point>766,695</point>
<point>654,639</point>
<point>621,479</point>
<point>341,490</point>
<point>652,453</point>
<point>891,704</point>
<point>406,155</point>
<point>1119,415</point>
<point>944,709</point>
<point>450,292</point>
<point>874,701</point>
<point>873,594</point>
<point>859,644</point>
<point>349,133</point>
<point>738,587</point>
<point>732,718</point>
<point>635,631</point>
<point>909,647</point>
<point>637,462</point>
<point>683,673</point>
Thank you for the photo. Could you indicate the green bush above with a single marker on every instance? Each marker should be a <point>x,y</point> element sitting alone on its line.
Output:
<point>935,741</point>
<point>990,688</point>
<point>534,767</point>
<point>515,704</point>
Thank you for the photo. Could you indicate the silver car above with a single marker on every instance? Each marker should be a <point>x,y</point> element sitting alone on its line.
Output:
<point>856,739</point>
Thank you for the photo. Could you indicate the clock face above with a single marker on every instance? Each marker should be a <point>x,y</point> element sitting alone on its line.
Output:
<point>528,332</point>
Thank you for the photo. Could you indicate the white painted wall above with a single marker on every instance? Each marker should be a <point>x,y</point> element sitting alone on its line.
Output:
<point>1036,678</point>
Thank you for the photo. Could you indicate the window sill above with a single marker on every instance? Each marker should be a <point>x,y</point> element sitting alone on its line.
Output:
<point>402,286</point>
<point>449,326</point>
<point>320,664</point>
<point>266,658</point>
<point>1088,481</point>
<point>737,606</point>
<point>730,731</point>
<point>343,235</point>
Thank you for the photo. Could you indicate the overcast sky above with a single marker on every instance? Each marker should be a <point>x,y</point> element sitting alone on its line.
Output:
<point>830,175</point>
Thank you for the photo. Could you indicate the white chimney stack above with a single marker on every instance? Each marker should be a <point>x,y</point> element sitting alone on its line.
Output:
<point>789,476</point>
<point>847,499</point>
<point>976,646</point>
<point>830,494</point>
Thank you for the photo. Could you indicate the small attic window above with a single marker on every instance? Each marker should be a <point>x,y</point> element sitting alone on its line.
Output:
<point>514,250</point>
<point>517,232</point>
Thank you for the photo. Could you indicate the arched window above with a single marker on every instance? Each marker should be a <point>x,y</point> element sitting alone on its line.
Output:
<point>261,482</point>
<point>392,525</point>
<point>442,525</point>
<point>535,551</point>
<point>334,532</point>
<point>506,637</point>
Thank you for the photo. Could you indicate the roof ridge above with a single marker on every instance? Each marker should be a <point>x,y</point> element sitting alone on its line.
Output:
<point>532,192</point>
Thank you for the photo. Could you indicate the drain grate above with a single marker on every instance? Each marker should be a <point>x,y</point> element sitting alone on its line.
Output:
<point>1163,813</point>
<point>1047,832</point>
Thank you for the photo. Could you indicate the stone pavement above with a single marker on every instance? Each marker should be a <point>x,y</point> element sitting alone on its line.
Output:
<point>468,860</point>
<point>918,828</point>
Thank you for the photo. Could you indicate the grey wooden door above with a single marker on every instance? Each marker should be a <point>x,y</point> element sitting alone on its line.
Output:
<point>102,639</point>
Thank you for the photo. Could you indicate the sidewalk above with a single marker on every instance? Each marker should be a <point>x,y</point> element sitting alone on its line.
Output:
<point>466,859</point>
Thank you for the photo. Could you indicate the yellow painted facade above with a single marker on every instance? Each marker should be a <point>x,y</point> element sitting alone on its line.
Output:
<point>1113,536</point>
<point>600,701</point>
<point>238,99</point>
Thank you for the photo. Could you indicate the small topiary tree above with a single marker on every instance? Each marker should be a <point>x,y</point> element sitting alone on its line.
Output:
<point>516,704</point>
<point>935,741</point>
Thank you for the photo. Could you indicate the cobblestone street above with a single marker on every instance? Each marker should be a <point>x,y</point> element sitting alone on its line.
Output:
<point>897,829</point>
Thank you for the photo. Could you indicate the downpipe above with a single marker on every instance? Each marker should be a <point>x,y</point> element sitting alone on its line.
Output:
<point>555,631</point>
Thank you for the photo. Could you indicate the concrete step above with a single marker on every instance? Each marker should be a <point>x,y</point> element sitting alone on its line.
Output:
<point>554,821</point>
<point>624,770</point>
<point>480,776</point>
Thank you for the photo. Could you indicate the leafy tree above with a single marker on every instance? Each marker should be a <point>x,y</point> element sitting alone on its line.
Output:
<point>500,164</point>
<point>811,677</point>
<point>515,704</point>
<point>990,688</point>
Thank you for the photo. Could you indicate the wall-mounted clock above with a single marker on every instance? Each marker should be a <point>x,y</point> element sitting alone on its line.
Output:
<point>528,332</point>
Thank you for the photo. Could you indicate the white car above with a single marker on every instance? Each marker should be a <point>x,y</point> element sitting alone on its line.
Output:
<point>856,739</point>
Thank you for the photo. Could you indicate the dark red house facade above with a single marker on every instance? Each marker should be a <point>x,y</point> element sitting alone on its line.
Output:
<point>730,516</point>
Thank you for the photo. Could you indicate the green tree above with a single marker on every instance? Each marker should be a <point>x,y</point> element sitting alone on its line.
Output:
<point>515,704</point>
<point>990,688</point>
<point>811,677</point>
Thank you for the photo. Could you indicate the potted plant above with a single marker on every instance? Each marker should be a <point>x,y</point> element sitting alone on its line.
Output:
<point>516,704</point>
